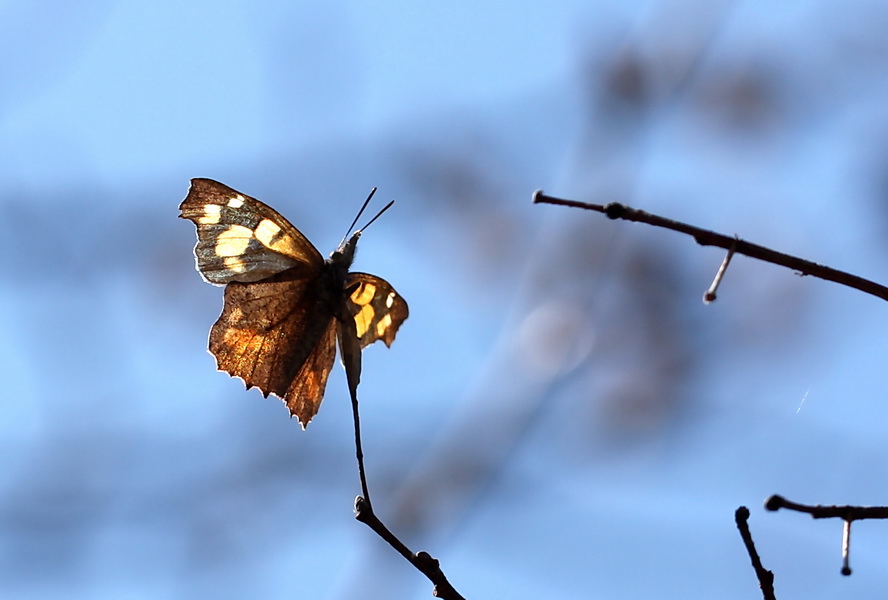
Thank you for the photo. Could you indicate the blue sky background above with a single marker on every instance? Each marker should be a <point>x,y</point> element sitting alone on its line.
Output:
<point>561,416</point>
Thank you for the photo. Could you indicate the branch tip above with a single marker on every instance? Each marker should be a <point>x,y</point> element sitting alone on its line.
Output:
<point>775,502</point>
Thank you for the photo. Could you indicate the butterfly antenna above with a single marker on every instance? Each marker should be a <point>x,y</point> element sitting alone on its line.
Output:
<point>379,214</point>
<point>360,212</point>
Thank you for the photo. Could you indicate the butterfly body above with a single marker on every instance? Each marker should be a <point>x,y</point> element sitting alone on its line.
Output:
<point>284,305</point>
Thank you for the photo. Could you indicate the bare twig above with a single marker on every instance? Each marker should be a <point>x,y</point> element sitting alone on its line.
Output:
<point>424,562</point>
<point>846,513</point>
<point>704,237</point>
<point>765,577</point>
<point>359,449</point>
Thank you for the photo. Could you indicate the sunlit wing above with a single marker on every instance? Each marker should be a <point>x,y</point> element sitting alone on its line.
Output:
<point>241,239</point>
<point>376,308</point>
<point>276,333</point>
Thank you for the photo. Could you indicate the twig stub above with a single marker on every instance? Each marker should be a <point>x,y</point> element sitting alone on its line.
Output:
<point>712,293</point>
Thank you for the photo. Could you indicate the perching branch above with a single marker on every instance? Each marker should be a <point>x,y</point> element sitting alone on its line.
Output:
<point>704,237</point>
<point>846,513</point>
<point>423,561</point>
<point>764,576</point>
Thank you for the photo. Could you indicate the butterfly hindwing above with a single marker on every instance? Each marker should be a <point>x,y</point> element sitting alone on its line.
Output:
<point>378,310</point>
<point>241,239</point>
<point>275,333</point>
<point>305,394</point>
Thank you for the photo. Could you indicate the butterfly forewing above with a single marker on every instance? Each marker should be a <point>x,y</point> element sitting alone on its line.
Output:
<point>378,310</point>
<point>241,239</point>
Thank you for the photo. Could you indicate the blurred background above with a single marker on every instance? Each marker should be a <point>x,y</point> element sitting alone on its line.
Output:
<point>561,416</point>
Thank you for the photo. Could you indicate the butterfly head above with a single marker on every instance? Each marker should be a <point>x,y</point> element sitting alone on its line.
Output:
<point>345,254</point>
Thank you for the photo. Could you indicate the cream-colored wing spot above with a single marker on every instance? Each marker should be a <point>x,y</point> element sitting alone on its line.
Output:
<point>236,202</point>
<point>234,263</point>
<point>363,320</point>
<point>390,299</point>
<point>233,241</point>
<point>211,214</point>
<point>383,324</point>
<point>363,294</point>
<point>267,232</point>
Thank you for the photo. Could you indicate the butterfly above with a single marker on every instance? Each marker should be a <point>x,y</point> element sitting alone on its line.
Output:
<point>285,307</point>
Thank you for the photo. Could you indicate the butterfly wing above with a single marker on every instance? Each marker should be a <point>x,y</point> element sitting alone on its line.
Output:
<point>306,393</point>
<point>279,335</point>
<point>241,239</point>
<point>377,309</point>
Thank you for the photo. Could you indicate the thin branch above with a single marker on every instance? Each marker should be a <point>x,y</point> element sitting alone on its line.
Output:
<point>704,237</point>
<point>765,577</point>
<point>846,513</point>
<point>359,449</point>
<point>423,561</point>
